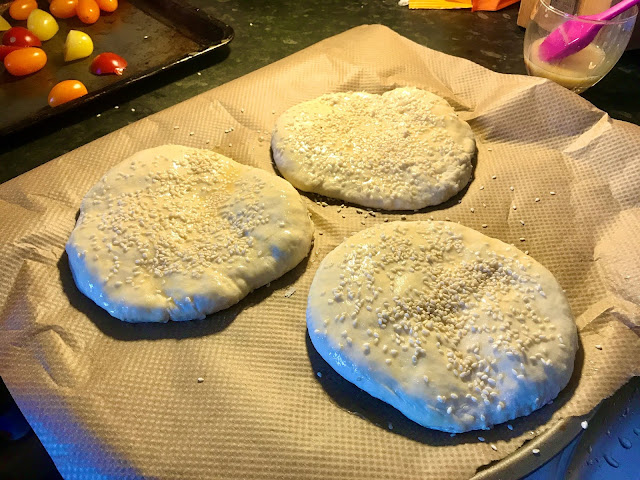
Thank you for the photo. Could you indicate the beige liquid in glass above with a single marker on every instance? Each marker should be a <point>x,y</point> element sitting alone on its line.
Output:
<point>576,72</point>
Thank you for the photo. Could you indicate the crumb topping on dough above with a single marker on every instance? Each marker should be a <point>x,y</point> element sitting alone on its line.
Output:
<point>176,232</point>
<point>404,149</point>
<point>463,322</point>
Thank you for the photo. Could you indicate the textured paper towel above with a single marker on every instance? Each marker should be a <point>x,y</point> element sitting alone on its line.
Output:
<point>123,401</point>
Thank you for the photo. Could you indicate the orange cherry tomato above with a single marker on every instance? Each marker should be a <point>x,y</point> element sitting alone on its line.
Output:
<point>20,9</point>
<point>108,5</point>
<point>66,91</point>
<point>25,61</point>
<point>88,11</point>
<point>63,8</point>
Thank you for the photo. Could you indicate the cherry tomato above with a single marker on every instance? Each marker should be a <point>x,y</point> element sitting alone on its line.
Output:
<point>63,8</point>
<point>88,11</point>
<point>108,5</point>
<point>78,45</point>
<point>66,91</point>
<point>42,24</point>
<point>20,37</point>
<point>4,25</point>
<point>5,50</point>
<point>25,61</point>
<point>107,63</point>
<point>20,9</point>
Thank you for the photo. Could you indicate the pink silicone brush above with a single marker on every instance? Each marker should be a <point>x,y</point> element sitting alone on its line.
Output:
<point>574,35</point>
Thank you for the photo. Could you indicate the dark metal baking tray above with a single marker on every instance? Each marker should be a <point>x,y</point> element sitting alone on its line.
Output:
<point>152,35</point>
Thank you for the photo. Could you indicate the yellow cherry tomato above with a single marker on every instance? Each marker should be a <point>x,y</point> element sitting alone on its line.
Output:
<point>4,25</point>
<point>78,45</point>
<point>63,8</point>
<point>107,5</point>
<point>66,91</point>
<point>88,11</point>
<point>42,24</point>
<point>20,9</point>
<point>25,61</point>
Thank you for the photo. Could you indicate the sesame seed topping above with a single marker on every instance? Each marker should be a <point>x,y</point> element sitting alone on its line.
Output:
<point>599,347</point>
<point>537,199</point>
<point>535,451</point>
<point>200,379</point>
<point>493,447</point>
<point>481,439</point>
<point>584,424</point>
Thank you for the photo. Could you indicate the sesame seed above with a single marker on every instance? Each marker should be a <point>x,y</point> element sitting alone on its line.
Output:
<point>584,424</point>
<point>319,374</point>
<point>511,188</point>
<point>200,379</point>
<point>494,177</point>
<point>493,447</point>
<point>481,439</point>
<point>522,239</point>
<point>390,426</point>
<point>514,207</point>
<point>552,193</point>
<point>481,187</point>
<point>472,210</point>
<point>522,222</point>
<point>509,426</point>
<point>537,199</point>
<point>535,451</point>
<point>599,347</point>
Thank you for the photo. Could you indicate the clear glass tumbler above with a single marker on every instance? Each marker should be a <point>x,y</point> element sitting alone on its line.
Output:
<point>585,68</point>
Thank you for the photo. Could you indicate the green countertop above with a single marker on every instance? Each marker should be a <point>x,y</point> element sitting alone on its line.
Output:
<point>266,31</point>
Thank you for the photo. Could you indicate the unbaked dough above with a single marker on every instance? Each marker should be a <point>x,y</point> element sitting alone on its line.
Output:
<point>177,233</point>
<point>403,150</point>
<point>457,330</point>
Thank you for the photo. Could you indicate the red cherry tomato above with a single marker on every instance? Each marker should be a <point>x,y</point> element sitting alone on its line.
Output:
<point>66,91</point>
<point>4,51</point>
<point>20,9</point>
<point>108,5</point>
<point>20,37</point>
<point>88,11</point>
<point>63,8</point>
<point>107,63</point>
<point>25,61</point>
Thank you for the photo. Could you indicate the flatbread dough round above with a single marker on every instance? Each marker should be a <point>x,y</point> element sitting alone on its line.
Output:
<point>177,233</point>
<point>403,150</point>
<point>455,329</point>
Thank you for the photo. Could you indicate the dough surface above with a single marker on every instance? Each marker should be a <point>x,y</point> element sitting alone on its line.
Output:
<point>457,330</point>
<point>403,150</point>
<point>177,233</point>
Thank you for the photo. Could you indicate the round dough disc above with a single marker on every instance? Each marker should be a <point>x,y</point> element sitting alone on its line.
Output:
<point>403,150</point>
<point>455,329</point>
<point>177,233</point>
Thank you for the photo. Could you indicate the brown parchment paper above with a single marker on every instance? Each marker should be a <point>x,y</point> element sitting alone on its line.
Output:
<point>123,401</point>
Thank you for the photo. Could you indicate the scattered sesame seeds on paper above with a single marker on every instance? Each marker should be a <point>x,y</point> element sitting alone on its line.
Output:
<point>268,405</point>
